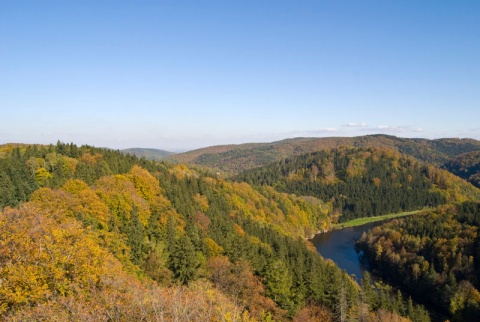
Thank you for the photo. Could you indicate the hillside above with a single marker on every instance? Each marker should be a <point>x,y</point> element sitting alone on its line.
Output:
<point>233,159</point>
<point>363,182</point>
<point>92,234</point>
<point>466,166</point>
<point>149,154</point>
<point>436,257</point>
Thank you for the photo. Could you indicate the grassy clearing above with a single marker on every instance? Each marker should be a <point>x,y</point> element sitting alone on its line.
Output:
<point>362,221</point>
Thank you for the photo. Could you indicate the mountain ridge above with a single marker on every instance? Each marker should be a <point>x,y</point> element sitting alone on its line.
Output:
<point>232,159</point>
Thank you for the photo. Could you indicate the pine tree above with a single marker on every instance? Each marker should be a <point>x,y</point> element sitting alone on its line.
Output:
<point>183,260</point>
<point>135,236</point>
<point>279,283</point>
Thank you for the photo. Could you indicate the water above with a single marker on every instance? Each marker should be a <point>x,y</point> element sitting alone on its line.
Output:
<point>339,246</point>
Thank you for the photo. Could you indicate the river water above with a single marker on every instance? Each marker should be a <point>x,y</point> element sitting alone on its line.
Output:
<point>339,246</point>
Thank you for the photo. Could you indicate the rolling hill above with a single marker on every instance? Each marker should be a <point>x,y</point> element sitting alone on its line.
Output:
<point>466,166</point>
<point>149,154</point>
<point>233,159</point>
<point>363,182</point>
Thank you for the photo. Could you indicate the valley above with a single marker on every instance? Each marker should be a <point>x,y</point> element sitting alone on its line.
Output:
<point>184,231</point>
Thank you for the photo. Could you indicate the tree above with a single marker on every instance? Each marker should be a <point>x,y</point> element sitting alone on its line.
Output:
<point>278,281</point>
<point>136,235</point>
<point>183,260</point>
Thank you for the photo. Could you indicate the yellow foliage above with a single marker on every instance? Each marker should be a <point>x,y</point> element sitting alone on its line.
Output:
<point>42,176</point>
<point>75,186</point>
<point>181,171</point>
<point>71,163</point>
<point>213,248</point>
<point>75,199</point>
<point>145,184</point>
<point>44,257</point>
<point>120,195</point>
<point>201,201</point>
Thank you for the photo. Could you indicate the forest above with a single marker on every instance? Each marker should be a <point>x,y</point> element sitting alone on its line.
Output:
<point>95,235</point>
<point>434,256</point>
<point>234,159</point>
<point>362,182</point>
<point>466,166</point>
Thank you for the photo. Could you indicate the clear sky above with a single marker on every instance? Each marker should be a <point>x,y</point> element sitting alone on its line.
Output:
<point>187,74</point>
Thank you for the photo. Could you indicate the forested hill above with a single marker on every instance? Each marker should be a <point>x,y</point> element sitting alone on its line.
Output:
<point>363,182</point>
<point>436,257</point>
<point>233,159</point>
<point>466,166</point>
<point>149,154</point>
<point>91,234</point>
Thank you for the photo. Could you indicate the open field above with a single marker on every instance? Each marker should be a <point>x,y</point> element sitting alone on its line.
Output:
<point>362,221</point>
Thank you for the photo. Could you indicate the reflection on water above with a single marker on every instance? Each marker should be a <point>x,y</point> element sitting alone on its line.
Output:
<point>339,246</point>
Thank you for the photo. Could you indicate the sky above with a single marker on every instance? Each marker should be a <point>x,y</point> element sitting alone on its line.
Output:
<point>180,75</point>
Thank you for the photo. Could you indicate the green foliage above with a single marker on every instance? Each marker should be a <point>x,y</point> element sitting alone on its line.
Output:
<point>136,235</point>
<point>466,166</point>
<point>363,182</point>
<point>183,261</point>
<point>234,159</point>
<point>17,181</point>
<point>435,256</point>
<point>278,281</point>
<point>149,154</point>
<point>168,223</point>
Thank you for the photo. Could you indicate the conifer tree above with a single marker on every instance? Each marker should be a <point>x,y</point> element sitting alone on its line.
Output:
<point>183,260</point>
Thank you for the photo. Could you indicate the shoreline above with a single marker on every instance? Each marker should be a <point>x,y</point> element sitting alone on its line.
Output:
<point>366,220</point>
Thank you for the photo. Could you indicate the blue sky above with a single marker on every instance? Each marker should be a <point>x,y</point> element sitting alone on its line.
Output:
<point>188,74</point>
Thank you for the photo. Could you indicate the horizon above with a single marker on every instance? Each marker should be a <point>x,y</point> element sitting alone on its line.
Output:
<point>179,151</point>
<point>183,76</point>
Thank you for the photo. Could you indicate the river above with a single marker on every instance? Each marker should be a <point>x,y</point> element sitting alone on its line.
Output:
<point>339,246</point>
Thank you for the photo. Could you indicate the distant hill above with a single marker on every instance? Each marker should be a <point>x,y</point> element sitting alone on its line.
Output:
<point>149,154</point>
<point>466,166</point>
<point>233,159</point>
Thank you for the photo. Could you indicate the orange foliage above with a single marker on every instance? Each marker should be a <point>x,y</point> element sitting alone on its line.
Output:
<point>313,313</point>
<point>91,159</point>
<point>238,282</point>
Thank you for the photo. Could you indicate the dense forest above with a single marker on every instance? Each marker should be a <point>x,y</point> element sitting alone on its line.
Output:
<point>466,166</point>
<point>363,182</point>
<point>435,257</point>
<point>234,159</point>
<point>91,234</point>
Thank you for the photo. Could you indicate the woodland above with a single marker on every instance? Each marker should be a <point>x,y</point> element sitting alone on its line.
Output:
<point>94,234</point>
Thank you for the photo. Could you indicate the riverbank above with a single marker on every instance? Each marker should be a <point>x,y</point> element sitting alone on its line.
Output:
<point>366,220</point>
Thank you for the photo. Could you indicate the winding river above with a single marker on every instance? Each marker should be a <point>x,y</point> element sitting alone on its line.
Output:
<point>339,246</point>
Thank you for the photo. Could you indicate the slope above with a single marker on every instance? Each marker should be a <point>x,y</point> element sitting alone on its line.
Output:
<point>102,232</point>
<point>436,257</point>
<point>466,166</point>
<point>233,159</point>
<point>363,182</point>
